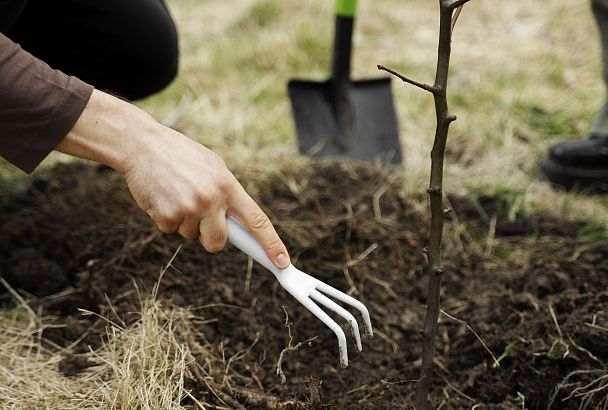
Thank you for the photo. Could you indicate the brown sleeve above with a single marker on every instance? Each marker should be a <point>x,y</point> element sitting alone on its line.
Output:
<point>38,105</point>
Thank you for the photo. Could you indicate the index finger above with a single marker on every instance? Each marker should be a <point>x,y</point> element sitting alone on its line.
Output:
<point>244,208</point>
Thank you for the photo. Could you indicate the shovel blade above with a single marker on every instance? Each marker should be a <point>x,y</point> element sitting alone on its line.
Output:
<point>374,131</point>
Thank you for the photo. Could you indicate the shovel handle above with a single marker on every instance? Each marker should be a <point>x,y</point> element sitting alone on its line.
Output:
<point>345,17</point>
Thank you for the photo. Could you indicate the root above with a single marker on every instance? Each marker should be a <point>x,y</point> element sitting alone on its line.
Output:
<point>290,348</point>
<point>253,398</point>
<point>592,394</point>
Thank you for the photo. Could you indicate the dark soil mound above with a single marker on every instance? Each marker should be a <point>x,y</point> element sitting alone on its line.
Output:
<point>536,294</point>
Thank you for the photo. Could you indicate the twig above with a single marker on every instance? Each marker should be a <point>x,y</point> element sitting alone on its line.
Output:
<point>290,348</point>
<point>376,202</point>
<point>384,284</point>
<point>597,327</point>
<point>458,391</point>
<point>455,18</point>
<point>362,256</point>
<point>156,287</point>
<point>248,275</point>
<point>582,349</point>
<point>403,78</point>
<point>215,389</point>
<point>456,3</point>
<point>462,322</point>
<point>349,279</point>
<point>491,236</point>
<point>19,299</point>
<point>260,400</point>
<point>388,340</point>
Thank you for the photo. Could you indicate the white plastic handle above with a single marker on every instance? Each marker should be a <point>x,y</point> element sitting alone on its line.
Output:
<point>240,237</point>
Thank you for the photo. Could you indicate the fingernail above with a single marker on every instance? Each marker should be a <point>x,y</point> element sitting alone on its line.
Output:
<point>282,261</point>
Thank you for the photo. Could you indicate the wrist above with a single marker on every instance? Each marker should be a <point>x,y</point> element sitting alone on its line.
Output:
<point>109,131</point>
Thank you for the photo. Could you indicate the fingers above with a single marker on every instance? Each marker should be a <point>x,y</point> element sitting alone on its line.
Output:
<point>213,232</point>
<point>255,220</point>
<point>189,228</point>
<point>166,222</point>
<point>210,230</point>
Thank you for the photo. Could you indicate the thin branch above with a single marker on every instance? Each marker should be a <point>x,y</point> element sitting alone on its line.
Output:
<point>447,20</point>
<point>432,89</point>
<point>455,17</point>
<point>435,191</point>
<point>457,3</point>
<point>462,322</point>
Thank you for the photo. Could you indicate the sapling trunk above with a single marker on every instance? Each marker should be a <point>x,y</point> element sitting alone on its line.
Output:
<point>447,20</point>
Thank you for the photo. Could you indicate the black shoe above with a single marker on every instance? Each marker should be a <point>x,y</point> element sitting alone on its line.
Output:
<point>579,164</point>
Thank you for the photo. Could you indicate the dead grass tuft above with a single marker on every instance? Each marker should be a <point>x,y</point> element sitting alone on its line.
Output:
<point>29,378</point>
<point>142,367</point>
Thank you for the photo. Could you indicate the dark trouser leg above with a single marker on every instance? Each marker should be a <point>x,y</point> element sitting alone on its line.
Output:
<point>600,11</point>
<point>128,47</point>
<point>584,163</point>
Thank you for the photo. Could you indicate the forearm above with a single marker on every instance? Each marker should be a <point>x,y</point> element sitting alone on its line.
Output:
<point>38,105</point>
<point>104,132</point>
<point>182,185</point>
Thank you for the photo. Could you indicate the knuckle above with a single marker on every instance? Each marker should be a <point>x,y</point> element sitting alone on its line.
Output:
<point>218,159</point>
<point>165,228</point>
<point>204,198</point>
<point>188,232</point>
<point>167,222</point>
<point>259,220</point>
<point>276,245</point>
<point>189,235</point>
<point>225,182</point>
<point>189,208</point>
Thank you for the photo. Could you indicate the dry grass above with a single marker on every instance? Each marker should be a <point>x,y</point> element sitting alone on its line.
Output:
<point>141,367</point>
<point>524,76</point>
<point>28,371</point>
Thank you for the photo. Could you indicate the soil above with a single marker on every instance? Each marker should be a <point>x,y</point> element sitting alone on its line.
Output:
<point>534,291</point>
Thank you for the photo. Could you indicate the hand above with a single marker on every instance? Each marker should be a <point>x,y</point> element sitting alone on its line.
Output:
<point>182,185</point>
<point>186,188</point>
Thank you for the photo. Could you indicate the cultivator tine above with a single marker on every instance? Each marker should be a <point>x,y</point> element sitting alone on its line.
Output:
<point>330,304</point>
<point>305,289</point>
<point>329,322</point>
<point>343,297</point>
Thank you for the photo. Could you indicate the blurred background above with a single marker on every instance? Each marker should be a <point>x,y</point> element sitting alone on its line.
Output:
<point>524,76</point>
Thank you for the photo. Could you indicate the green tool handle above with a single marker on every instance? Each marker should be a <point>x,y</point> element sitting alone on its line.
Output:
<point>345,17</point>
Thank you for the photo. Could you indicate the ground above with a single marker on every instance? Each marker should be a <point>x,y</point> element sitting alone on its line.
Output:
<point>528,289</point>
<point>525,266</point>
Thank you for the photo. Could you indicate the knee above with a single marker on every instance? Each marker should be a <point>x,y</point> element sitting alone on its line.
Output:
<point>163,60</point>
<point>599,6</point>
<point>154,58</point>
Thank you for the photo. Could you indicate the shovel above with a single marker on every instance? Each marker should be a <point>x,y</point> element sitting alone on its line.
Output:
<point>339,117</point>
<point>306,290</point>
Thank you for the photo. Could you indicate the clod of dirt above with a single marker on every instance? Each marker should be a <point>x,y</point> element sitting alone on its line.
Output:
<point>72,365</point>
<point>30,271</point>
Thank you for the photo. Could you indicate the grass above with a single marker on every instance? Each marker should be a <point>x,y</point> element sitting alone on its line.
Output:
<point>141,367</point>
<point>524,76</point>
